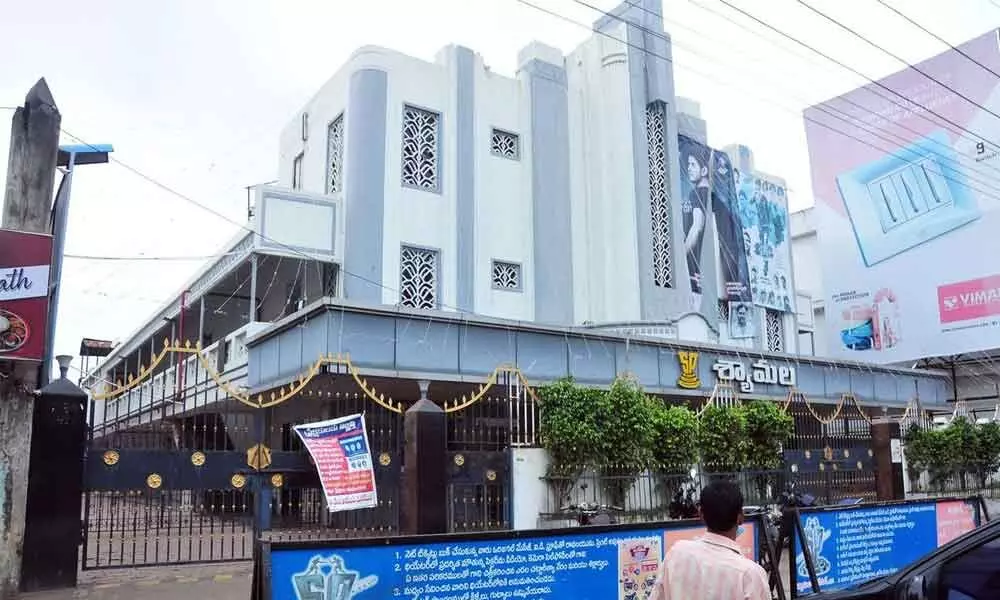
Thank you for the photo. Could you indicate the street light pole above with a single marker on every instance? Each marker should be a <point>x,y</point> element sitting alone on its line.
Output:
<point>68,158</point>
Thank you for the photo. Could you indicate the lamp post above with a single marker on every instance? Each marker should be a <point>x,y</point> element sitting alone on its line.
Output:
<point>69,157</point>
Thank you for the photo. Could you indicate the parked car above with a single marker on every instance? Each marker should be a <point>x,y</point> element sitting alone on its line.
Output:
<point>967,568</point>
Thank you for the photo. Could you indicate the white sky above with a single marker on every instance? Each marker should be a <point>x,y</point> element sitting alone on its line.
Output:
<point>194,92</point>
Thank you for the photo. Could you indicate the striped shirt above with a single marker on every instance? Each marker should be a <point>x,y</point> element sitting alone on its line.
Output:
<point>710,568</point>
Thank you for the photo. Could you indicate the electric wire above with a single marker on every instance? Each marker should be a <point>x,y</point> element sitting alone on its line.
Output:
<point>910,154</point>
<point>988,179</point>
<point>855,71</point>
<point>646,30</point>
<point>905,62</point>
<point>182,196</point>
<point>140,258</point>
<point>937,37</point>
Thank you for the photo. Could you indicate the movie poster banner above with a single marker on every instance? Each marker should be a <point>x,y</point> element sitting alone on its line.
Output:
<point>907,210</point>
<point>709,203</point>
<point>763,212</point>
<point>340,450</point>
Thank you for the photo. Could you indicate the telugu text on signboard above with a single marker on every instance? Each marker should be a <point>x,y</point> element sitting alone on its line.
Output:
<point>343,458</point>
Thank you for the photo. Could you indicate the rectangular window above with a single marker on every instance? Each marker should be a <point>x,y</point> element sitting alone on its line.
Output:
<point>331,280</point>
<point>506,276</point>
<point>297,172</point>
<point>335,155</point>
<point>505,144</point>
<point>723,309</point>
<point>418,277</point>
<point>774,328</point>
<point>420,153</point>
<point>659,197</point>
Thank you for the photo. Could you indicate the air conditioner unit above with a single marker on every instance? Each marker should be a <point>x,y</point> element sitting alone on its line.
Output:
<point>907,198</point>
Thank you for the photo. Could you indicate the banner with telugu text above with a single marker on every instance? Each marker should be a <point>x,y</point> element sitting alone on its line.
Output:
<point>340,450</point>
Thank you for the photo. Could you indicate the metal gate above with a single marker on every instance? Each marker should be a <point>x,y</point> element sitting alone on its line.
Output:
<point>831,453</point>
<point>178,475</point>
<point>479,471</point>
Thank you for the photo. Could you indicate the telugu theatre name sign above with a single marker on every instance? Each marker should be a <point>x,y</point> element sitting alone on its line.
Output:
<point>24,294</point>
<point>760,372</point>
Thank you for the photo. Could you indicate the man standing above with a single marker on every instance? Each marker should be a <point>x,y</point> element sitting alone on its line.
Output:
<point>712,567</point>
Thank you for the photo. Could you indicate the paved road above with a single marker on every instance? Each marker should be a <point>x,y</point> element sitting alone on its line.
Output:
<point>219,582</point>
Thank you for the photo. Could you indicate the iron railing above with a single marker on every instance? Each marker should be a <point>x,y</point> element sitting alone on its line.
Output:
<point>646,496</point>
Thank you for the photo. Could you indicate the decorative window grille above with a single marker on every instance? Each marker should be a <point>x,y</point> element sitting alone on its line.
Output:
<point>505,144</point>
<point>418,277</point>
<point>775,330</point>
<point>506,275</point>
<point>659,199</point>
<point>297,172</point>
<point>723,311</point>
<point>335,155</point>
<point>421,137</point>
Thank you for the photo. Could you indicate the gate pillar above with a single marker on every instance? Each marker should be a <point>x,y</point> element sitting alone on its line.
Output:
<point>53,530</point>
<point>425,465</point>
<point>888,466</point>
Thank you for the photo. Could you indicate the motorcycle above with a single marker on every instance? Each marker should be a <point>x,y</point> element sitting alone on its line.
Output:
<point>790,499</point>
<point>588,513</point>
<point>683,505</point>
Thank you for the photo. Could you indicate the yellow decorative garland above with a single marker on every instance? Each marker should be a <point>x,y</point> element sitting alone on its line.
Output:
<point>118,388</point>
<point>286,392</point>
<point>721,391</point>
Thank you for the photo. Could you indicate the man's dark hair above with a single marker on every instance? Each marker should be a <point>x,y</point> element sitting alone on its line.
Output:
<point>721,505</point>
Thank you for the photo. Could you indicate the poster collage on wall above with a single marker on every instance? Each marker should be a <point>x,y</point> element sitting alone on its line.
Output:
<point>749,214</point>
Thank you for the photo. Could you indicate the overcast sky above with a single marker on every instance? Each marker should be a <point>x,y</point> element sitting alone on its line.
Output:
<point>193,93</point>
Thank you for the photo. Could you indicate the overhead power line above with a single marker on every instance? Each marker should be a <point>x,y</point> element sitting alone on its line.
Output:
<point>991,182</point>
<point>771,100</point>
<point>147,258</point>
<point>907,101</point>
<point>902,60</point>
<point>936,36</point>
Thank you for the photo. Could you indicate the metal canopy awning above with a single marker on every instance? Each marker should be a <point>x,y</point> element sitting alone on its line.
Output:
<point>442,346</point>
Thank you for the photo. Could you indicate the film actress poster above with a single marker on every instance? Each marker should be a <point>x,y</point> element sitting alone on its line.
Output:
<point>698,223</point>
<point>907,221</point>
<point>763,212</point>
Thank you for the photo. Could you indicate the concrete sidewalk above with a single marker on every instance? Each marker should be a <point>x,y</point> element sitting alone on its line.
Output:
<point>220,582</point>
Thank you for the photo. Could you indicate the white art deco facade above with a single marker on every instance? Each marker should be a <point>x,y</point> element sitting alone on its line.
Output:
<point>553,197</point>
<point>548,197</point>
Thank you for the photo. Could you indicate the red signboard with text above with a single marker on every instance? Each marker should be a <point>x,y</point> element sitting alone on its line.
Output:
<point>24,294</point>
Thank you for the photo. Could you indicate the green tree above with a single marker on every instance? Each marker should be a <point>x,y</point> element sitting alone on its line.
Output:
<point>627,436</point>
<point>568,427</point>
<point>768,428</point>
<point>987,451</point>
<point>722,438</point>
<point>675,446</point>
<point>934,451</point>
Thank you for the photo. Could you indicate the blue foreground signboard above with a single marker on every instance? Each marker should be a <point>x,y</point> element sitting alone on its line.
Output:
<point>853,544</point>
<point>593,563</point>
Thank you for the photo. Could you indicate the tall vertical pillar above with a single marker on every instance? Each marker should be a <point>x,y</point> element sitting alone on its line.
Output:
<point>34,146</point>
<point>887,449</point>
<point>544,73</point>
<point>425,489</point>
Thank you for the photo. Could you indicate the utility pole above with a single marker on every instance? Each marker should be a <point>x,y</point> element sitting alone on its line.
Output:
<point>34,144</point>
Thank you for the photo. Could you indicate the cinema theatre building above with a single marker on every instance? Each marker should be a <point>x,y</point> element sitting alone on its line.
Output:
<point>443,231</point>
